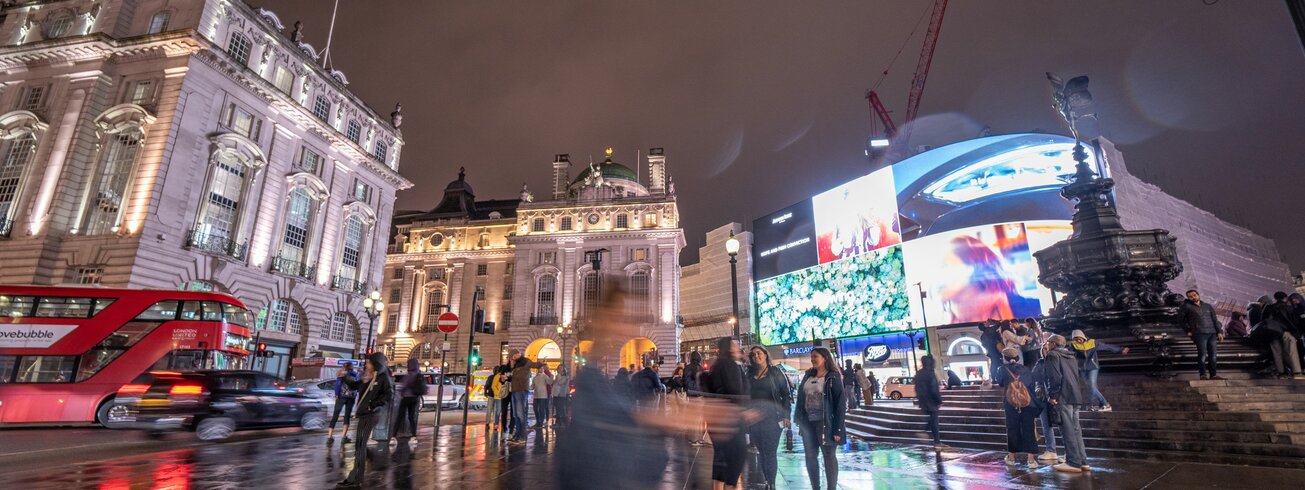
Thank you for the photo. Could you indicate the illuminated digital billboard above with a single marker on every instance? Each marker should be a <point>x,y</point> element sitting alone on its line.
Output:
<point>943,237</point>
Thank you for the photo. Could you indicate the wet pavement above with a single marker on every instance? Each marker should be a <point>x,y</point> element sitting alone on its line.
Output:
<point>293,459</point>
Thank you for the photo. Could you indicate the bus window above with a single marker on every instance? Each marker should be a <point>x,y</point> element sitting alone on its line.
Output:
<point>17,306</point>
<point>112,347</point>
<point>190,310</point>
<point>64,308</point>
<point>212,311</point>
<point>181,360</point>
<point>161,311</point>
<point>227,360</point>
<point>101,304</point>
<point>95,360</point>
<point>46,369</point>
<point>236,315</point>
<point>7,364</point>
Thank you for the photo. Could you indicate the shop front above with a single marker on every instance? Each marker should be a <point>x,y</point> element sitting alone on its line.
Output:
<point>895,354</point>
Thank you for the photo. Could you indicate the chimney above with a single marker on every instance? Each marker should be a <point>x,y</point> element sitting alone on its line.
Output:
<point>657,171</point>
<point>561,177</point>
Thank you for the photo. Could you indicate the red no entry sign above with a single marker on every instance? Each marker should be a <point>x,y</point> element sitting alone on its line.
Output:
<point>448,322</point>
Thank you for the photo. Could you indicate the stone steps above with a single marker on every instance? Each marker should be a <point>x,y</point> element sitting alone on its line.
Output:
<point>1103,431</point>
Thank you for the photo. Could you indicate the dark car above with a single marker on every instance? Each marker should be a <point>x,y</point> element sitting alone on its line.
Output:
<point>216,403</point>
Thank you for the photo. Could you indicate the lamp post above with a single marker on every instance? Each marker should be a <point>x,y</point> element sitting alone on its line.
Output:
<point>373,306</point>
<point>732,248</point>
<point>565,331</point>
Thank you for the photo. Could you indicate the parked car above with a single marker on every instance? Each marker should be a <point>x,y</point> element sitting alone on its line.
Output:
<point>214,404</point>
<point>323,390</point>
<point>899,387</point>
<point>454,394</point>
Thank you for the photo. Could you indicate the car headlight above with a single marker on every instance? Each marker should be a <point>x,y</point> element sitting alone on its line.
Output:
<point>1044,165</point>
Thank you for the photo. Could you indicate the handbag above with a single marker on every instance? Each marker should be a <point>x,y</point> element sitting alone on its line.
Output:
<point>382,430</point>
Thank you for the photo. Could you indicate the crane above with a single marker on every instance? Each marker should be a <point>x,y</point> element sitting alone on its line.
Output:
<point>892,134</point>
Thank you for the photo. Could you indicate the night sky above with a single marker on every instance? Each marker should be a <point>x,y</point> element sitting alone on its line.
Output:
<point>760,104</point>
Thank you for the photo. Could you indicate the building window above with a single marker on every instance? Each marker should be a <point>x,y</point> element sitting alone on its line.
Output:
<point>32,98</point>
<point>537,225</point>
<point>381,150</point>
<point>58,25</point>
<point>339,322</point>
<point>507,291</point>
<point>590,298</point>
<point>322,108</point>
<point>640,297</point>
<point>436,273</point>
<point>238,47</point>
<point>110,187</point>
<point>503,352</point>
<point>351,256</point>
<point>141,93</point>
<point>159,22</point>
<point>395,295</point>
<point>392,321</point>
<point>482,269</point>
<point>18,154</point>
<point>511,268</point>
<point>650,220</point>
<point>354,131</point>
<point>283,316</point>
<point>622,221</point>
<point>545,298</point>
<point>362,191</point>
<point>505,319</point>
<point>90,275</point>
<point>219,215</point>
<point>309,161</point>
<point>434,302</point>
<point>484,241</point>
<point>283,79</point>
<point>243,122</point>
<point>397,273</point>
<point>350,329</point>
<point>566,224</point>
<point>547,257</point>
<point>297,239</point>
<point>638,254</point>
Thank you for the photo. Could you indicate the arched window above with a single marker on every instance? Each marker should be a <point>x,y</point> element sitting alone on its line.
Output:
<point>297,239</point>
<point>109,188</point>
<point>640,296</point>
<point>282,315</point>
<point>965,346</point>
<point>546,299</point>
<point>17,154</point>
<point>342,327</point>
<point>352,270</point>
<point>234,163</point>
<point>434,303</point>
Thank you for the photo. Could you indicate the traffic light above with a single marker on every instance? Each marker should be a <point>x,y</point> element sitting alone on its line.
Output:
<point>475,359</point>
<point>919,344</point>
<point>478,321</point>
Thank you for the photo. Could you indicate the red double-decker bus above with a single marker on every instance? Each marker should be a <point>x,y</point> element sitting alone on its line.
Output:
<point>65,351</point>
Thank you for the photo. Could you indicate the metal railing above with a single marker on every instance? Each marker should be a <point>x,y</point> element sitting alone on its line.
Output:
<point>196,239</point>
<point>349,285</point>
<point>294,267</point>
<point>543,320</point>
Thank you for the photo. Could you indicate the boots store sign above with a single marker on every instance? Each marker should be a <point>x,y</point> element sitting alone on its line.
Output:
<point>29,336</point>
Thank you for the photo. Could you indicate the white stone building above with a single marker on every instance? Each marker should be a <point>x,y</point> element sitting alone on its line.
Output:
<point>192,144</point>
<point>707,301</point>
<point>533,260</point>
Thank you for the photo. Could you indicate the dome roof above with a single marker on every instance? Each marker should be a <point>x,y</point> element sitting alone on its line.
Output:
<point>609,170</point>
<point>460,184</point>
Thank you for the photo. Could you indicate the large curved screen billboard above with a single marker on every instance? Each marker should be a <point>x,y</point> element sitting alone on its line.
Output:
<point>943,237</point>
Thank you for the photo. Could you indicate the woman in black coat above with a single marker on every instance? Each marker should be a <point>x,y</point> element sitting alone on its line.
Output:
<point>821,404</point>
<point>377,392</point>
<point>726,382</point>
<point>773,398</point>
<point>929,396</point>
<point>1020,435</point>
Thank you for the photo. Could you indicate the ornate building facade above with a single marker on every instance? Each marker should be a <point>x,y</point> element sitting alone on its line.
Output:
<point>193,144</point>
<point>533,264</point>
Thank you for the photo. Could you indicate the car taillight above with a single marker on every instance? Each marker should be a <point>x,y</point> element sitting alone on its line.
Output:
<point>133,390</point>
<point>299,390</point>
<point>186,390</point>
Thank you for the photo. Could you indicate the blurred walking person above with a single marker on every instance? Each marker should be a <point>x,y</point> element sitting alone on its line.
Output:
<point>377,393</point>
<point>543,388</point>
<point>874,389</point>
<point>1282,326</point>
<point>344,400</point>
<point>646,386</point>
<point>862,383</point>
<point>411,392</point>
<point>520,399</point>
<point>693,392</point>
<point>849,384</point>
<point>561,396</point>
<point>1021,411</point>
<point>1065,393</point>
<point>773,397</point>
<point>726,381</point>
<point>929,397</point>
<point>1089,366</point>
<point>820,409</point>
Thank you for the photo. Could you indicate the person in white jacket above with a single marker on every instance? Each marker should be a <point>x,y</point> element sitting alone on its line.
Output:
<point>543,386</point>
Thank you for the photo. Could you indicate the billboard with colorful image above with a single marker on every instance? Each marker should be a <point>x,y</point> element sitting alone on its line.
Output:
<point>943,237</point>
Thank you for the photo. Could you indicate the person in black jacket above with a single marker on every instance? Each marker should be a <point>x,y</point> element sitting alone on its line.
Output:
<point>929,396</point>
<point>726,381</point>
<point>377,392</point>
<point>772,395</point>
<point>1066,393</point>
<point>820,409</point>
<point>1020,435</point>
<point>849,384</point>
<point>693,390</point>
<point>1202,325</point>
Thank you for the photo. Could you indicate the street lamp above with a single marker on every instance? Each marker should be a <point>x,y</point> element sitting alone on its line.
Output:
<point>373,306</point>
<point>565,331</point>
<point>732,248</point>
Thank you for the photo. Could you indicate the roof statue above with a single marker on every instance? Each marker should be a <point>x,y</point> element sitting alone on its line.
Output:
<point>526,196</point>
<point>396,117</point>
<point>298,35</point>
<point>670,185</point>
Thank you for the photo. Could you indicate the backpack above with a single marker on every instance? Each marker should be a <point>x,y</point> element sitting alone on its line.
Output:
<point>345,390</point>
<point>419,388</point>
<point>1017,395</point>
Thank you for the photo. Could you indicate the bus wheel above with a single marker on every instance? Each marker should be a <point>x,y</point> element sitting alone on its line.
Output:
<point>215,428</point>
<point>114,415</point>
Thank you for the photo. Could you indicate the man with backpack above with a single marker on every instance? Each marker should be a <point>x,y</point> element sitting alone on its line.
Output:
<point>344,400</point>
<point>1021,411</point>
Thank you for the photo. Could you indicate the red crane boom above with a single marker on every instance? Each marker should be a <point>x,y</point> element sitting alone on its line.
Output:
<point>902,146</point>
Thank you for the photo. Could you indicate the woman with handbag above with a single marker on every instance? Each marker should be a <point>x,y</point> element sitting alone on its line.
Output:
<point>771,395</point>
<point>377,394</point>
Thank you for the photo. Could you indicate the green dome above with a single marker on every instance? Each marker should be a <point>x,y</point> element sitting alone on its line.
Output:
<point>610,170</point>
